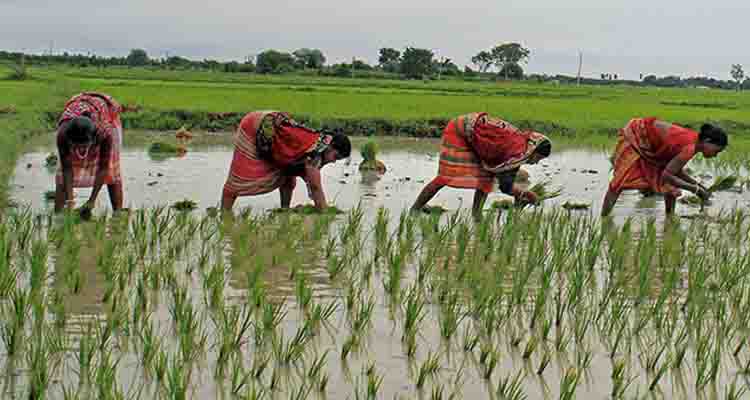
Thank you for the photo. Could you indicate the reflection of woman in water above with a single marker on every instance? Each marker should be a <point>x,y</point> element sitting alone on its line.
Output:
<point>89,137</point>
<point>476,150</point>
<point>651,154</point>
<point>272,150</point>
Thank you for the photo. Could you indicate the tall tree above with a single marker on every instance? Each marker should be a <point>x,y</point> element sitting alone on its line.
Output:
<point>309,58</point>
<point>137,58</point>
<point>416,63</point>
<point>272,61</point>
<point>389,59</point>
<point>738,74</point>
<point>509,53</point>
<point>483,60</point>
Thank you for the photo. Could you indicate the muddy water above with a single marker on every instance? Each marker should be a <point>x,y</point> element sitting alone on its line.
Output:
<point>199,176</point>
<point>583,175</point>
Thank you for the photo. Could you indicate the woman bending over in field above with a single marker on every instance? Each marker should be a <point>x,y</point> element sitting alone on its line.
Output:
<point>271,150</point>
<point>476,150</point>
<point>89,137</point>
<point>650,155</point>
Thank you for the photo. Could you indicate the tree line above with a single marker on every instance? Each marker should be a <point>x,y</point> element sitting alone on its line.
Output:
<point>504,61</point>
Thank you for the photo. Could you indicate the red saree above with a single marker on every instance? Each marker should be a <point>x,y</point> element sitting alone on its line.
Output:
<point>258,163</point>
<point>104,111</point>
<point>476,148</point>
<point>643,152</point>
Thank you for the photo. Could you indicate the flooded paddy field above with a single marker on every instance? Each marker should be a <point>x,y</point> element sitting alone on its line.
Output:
<point>543,303</point>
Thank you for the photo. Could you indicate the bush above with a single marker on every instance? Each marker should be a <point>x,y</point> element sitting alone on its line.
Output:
<point>369,151</point>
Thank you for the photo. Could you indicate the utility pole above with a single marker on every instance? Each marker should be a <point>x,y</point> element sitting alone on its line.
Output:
<point>580,66</point>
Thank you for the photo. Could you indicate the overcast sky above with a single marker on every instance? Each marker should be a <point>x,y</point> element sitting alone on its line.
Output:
<point>626,37</point>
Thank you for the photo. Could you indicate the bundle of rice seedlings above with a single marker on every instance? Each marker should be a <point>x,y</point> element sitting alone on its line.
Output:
<point>572,205</point>
<point>693,201</point>
<point>49,195</point>
<point>722,183</point>
<point>369,151</point>
<point>185,205</point>
<point>370,162</point>
<point>166,148</point>
<point>543,192</point>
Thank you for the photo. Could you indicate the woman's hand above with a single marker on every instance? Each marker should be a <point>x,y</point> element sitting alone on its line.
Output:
<point>702,192</point>
<point>529,197</point>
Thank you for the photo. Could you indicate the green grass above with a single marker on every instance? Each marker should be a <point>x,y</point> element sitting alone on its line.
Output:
<point>581,110</point>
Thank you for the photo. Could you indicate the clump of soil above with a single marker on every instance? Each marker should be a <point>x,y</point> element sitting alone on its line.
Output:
<point>434,210</point>
<point>164,148</point>
<point>51,160</point>
<point>185,205</point>
<point>370,161</point>
<point>574,205</point>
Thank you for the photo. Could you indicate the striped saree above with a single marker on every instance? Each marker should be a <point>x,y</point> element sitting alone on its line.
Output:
<point>476,149</point>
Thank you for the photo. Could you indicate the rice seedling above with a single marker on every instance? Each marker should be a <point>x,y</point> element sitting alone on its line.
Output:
<point>15,320</point>
<point>490,364</point>
<point>43,362</point>
<point>451,314</point>
<point>543,363</point>
<point>362,317</point>
<point>321,314</point>
<point>290,352</point>
<point>723,183</point>
<point>272,315</point>
<point>301,393</point>
<point>177,379</point>
<point>569,384</point>
<point>428,369</point>
<point>414,313</point>
<point>733,392</point>
<point>543,191</point>
<point>511,388</point>
<point>531,346</point>
<point>233,326</point>
<point>240,379</point>
<point>106,378</point>
<point>374,382</point>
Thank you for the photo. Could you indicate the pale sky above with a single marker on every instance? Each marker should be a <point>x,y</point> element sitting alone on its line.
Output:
<point>626,37</point>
